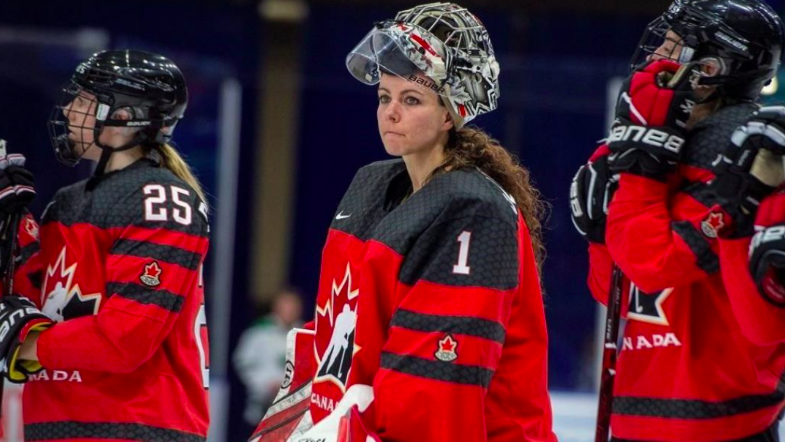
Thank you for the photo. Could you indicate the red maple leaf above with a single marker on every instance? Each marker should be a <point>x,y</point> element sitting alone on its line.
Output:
<point>715,221</point>
<point>152,270</point>
<point>447,344</point>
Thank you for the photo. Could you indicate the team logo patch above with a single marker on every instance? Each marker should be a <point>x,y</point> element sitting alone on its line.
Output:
<point>64,298</point>
<point>712,225</point>
<point>31,227</point>
<point>337,318</point>
<point>151,274</point>
<point>446,349</point>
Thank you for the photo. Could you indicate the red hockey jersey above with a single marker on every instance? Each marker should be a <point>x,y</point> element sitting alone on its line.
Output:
<point>761,322</point>
<point>119,269</point>
<point>434,301</point>
<point>686,370</point>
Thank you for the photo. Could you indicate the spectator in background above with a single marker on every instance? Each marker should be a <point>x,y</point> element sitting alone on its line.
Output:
<point>261,352</point>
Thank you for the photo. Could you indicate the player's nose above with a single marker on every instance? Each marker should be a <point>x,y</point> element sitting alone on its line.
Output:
<point>393,111</point>
<point>67,109</point>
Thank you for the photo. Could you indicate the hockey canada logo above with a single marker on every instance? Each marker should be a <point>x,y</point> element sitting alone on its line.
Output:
<point>31,227</point>
<point>338,316</point>
<point>648,307</point>
<point>712,225</point>
<point>65,299</point>
<point>446,349</point>
<point>150,274</point>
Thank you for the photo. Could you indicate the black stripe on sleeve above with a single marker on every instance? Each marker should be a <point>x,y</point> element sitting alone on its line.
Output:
<point>169,254</point>
<point>477,327</point>
<point>437,370</point>
<point>148,296</point>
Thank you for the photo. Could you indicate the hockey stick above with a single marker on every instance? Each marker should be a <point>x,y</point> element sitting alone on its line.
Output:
<point>11,229</point>
<point>609,353</point>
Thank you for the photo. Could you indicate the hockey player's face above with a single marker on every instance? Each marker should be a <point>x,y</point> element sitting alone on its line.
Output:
<point>410,115</point>
<point>670,48</point>
<point>81,119</point>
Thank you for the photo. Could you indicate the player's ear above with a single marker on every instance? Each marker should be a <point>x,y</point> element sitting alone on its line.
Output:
<point>121,114</point>
<point>448,122</point>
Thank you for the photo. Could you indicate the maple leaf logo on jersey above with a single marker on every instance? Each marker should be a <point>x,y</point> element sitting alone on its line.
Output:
<point>338,316</point>
<point>446,349</point>
<point>151,273</point>
<point>65,300</point>
<point>712,225</point>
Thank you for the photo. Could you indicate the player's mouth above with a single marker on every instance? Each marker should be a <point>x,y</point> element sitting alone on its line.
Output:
<point>395,134</point>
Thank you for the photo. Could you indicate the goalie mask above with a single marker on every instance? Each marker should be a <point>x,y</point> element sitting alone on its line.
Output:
<point>445,42</point>
<point>739,43</point>
<point>149,87</point>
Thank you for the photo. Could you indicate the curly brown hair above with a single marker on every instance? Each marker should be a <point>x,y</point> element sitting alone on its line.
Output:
<point>472,147</point>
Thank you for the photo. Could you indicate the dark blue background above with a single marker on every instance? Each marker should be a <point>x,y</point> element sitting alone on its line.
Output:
<point>555,70</point>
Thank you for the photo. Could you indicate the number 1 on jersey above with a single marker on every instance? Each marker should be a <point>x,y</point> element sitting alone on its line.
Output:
<point>463,254</point>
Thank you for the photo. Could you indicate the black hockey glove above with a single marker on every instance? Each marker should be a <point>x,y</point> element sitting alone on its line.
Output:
<point>18,317</point>
<point>651,114</point>
<point>767,263</point>
<point>17,187</point>
<point>750,169</point>
<point>590,194</point>
<point>767,250</point>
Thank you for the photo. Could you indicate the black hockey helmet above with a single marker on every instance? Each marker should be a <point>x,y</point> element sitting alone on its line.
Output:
<point>149,86</point>
<point>742,39</point>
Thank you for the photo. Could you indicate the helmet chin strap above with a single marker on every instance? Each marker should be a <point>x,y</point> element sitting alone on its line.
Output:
<point>107,151</point>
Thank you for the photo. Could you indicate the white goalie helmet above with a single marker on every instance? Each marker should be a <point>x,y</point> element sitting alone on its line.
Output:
<point>447,43</point>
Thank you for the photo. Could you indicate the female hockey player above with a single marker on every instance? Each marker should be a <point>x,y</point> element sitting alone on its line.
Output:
<point>118,274</point>
<point>429,294</point>
<point>686,370</point>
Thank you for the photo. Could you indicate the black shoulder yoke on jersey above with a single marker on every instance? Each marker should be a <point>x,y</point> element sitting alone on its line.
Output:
<point>129,197</point>
<point>711,136</point>
<point>424,228</point>
<point>707,140</point>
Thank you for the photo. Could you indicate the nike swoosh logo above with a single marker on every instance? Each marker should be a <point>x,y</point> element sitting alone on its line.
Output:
<point>340,216</point>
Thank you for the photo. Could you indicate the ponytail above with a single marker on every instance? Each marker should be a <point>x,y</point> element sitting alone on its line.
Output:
<point>471,147</point>
<point>171,160</point>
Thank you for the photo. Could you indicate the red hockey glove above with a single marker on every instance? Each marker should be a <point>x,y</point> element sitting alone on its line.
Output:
<point>651,114</point>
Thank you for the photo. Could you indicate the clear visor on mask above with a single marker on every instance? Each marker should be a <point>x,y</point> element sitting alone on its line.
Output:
<point>402,50</point>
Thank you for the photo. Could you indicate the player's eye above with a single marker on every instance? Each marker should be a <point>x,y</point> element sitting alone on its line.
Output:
<point>384,99</point>
<point>411,100</point>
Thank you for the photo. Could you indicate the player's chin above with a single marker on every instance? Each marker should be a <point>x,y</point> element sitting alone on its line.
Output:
<point>395,149</point>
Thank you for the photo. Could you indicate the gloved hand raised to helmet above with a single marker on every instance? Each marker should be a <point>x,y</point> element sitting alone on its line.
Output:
<point>751,168</point>
<point>651,116</point>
